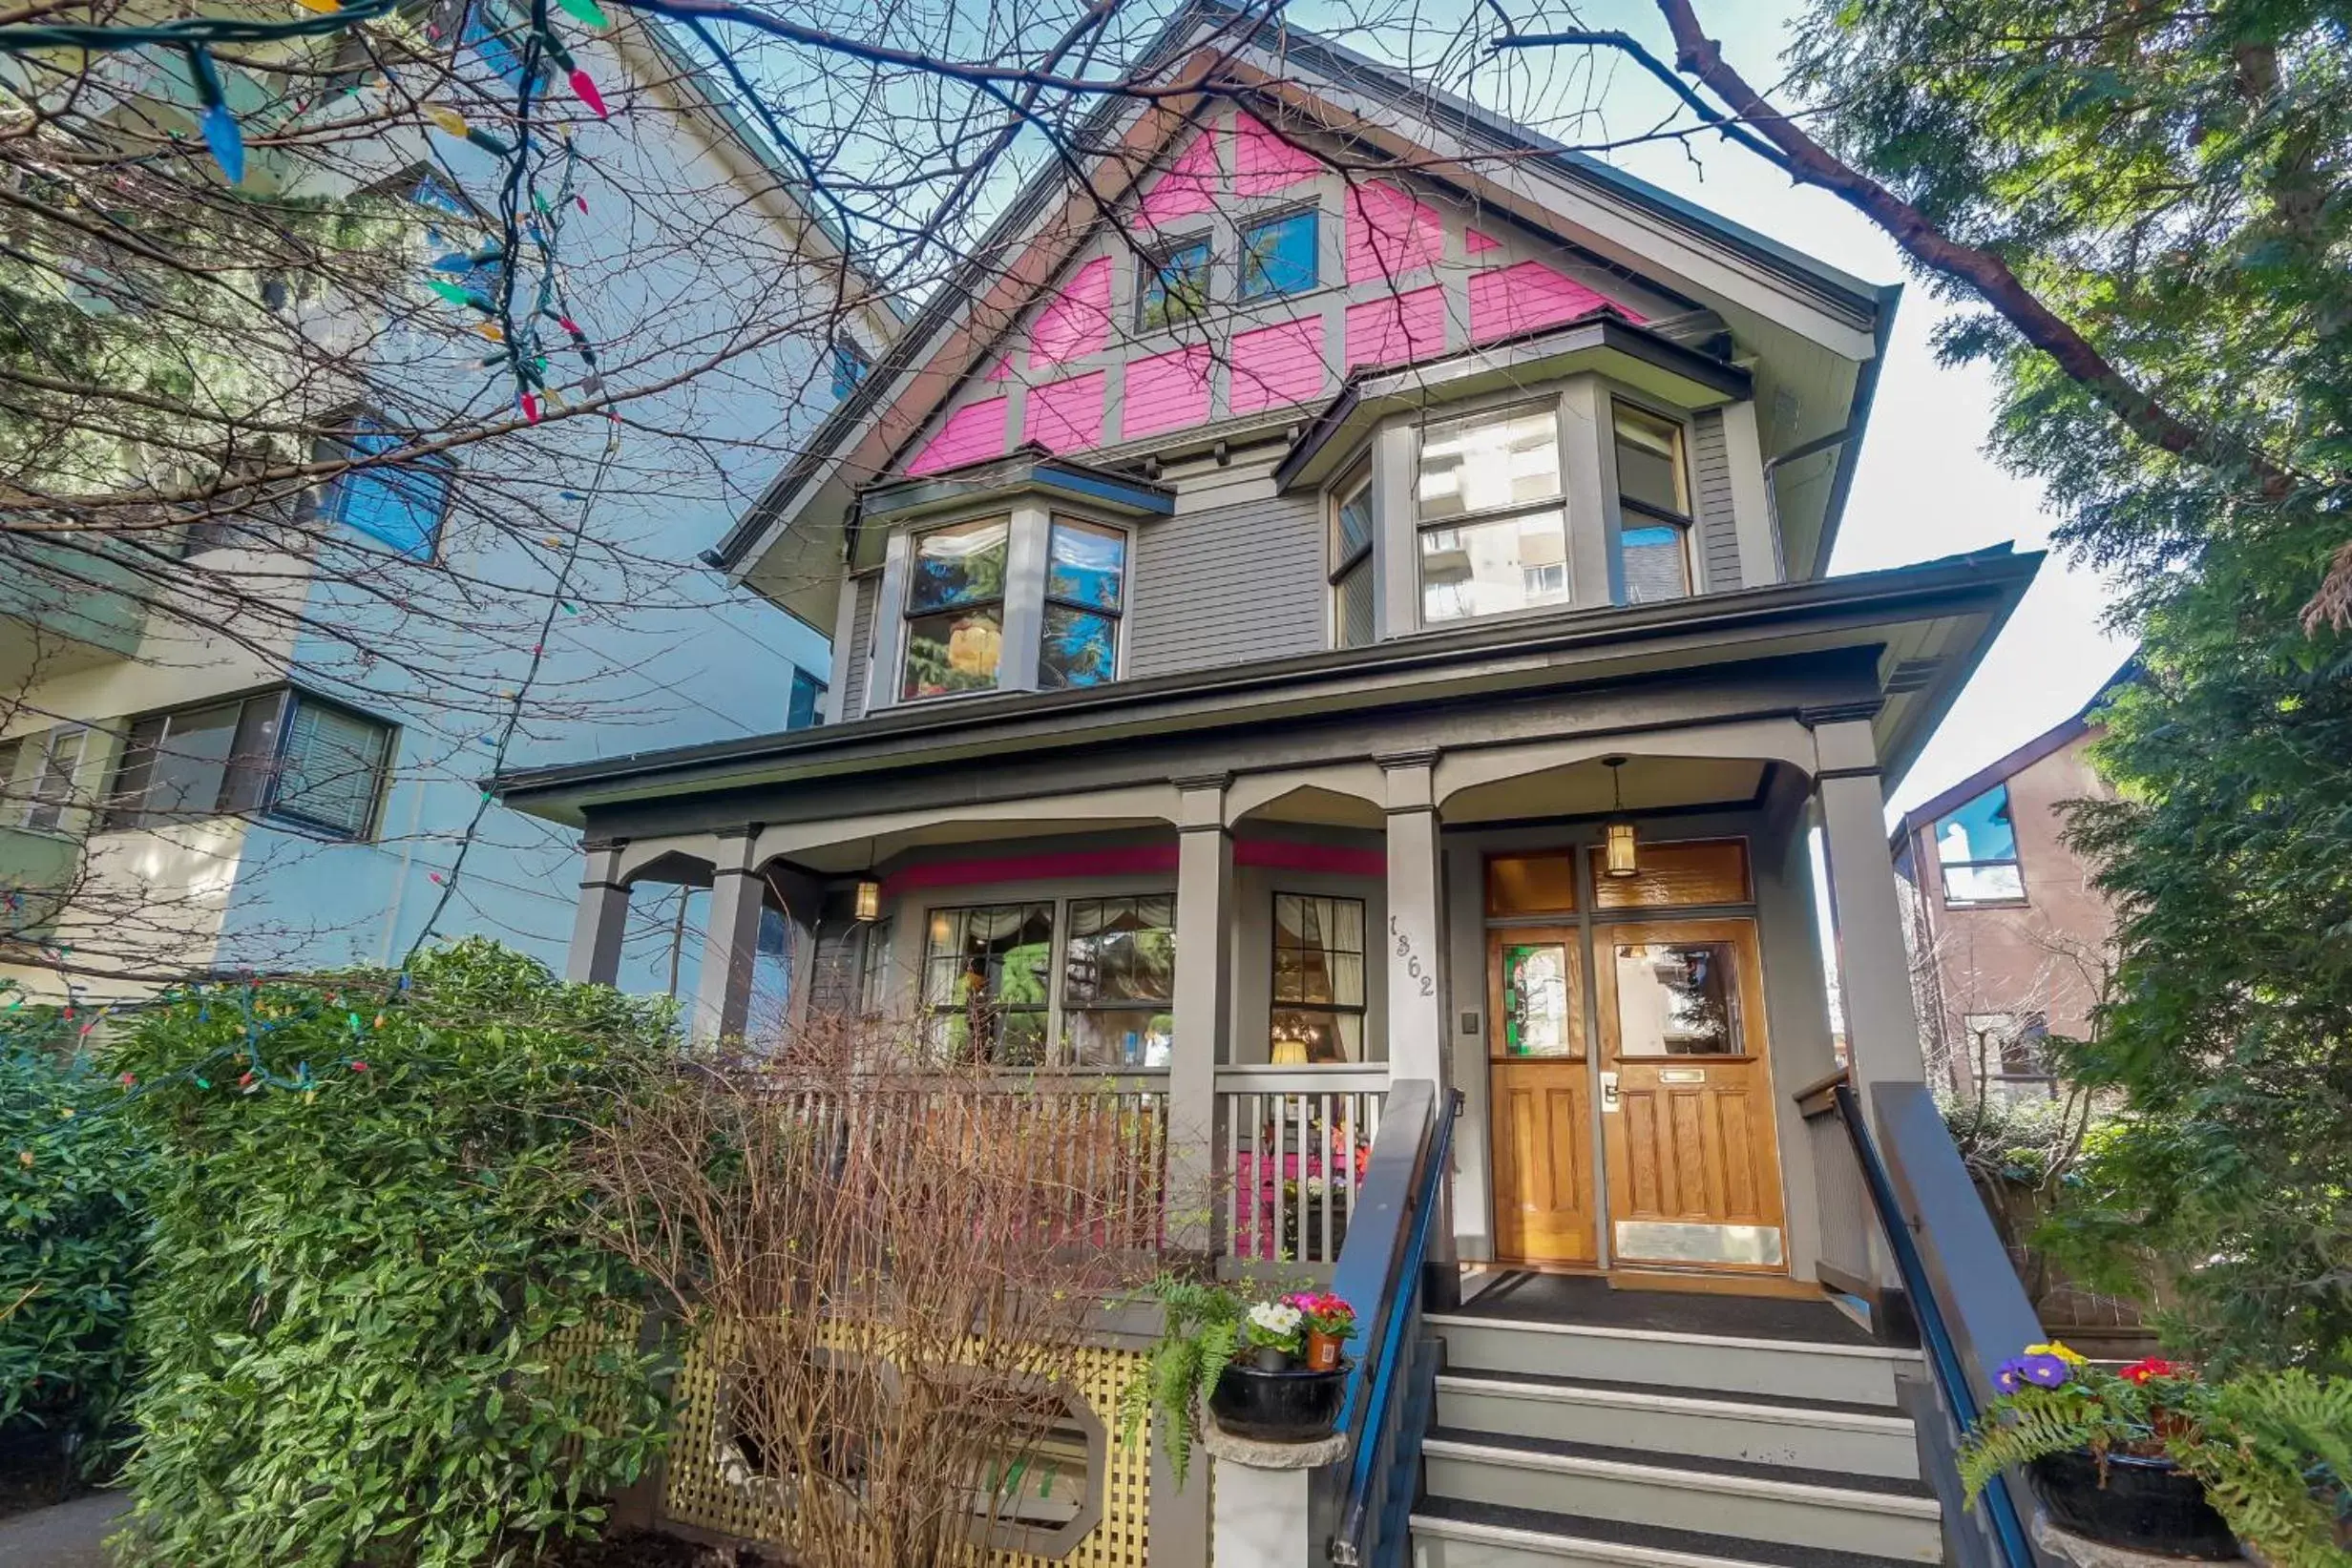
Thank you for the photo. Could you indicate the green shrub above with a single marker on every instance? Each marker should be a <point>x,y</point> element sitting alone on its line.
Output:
<point>372,1262</point>
<point>70,1226</point>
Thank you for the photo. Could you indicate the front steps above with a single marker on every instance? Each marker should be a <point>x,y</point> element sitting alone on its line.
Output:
<point>1571,1445</point>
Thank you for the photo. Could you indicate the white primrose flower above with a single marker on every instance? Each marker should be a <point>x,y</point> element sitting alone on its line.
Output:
<point>1278,1319</point>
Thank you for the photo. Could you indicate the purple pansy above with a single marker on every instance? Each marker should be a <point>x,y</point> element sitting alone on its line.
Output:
<point>2044,1371</point>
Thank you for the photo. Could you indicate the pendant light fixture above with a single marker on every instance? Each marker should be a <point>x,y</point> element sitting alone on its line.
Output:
<point>869,889</point>
<point>1622,847</point>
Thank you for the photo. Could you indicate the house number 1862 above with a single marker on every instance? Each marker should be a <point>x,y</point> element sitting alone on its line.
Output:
<point>1413,960</point>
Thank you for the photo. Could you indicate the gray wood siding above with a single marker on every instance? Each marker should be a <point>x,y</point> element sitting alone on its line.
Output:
<point>1718,541</point>
<point>1228,586</point>
<point>860,650</point>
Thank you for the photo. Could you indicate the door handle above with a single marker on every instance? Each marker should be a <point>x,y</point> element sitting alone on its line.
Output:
<point>1609,1094</point>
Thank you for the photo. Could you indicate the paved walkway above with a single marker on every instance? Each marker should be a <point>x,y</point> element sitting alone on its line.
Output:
<point>68,1535</point>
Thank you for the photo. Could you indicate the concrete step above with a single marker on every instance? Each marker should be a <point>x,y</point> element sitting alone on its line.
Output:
<point>1738,1499</point>
<point>1850,1439</point>
<point>1457,1534</point>
<point>1850,1374</point>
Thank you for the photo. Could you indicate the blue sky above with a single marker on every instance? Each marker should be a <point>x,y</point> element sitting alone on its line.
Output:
<point>1924,486</point>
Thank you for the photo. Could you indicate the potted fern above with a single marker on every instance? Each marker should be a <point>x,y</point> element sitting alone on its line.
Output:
<point>1200,1334</point>
<point>2155,1458</point>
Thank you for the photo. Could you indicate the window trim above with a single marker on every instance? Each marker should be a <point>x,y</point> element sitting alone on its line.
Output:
<point>1048,599</point>
<point>110,806</point>
<point>908,614</point>
<point>1151,267</point>
<point>1685,524</point>
<point>1558,502</point>
<point>1361,1011</point>
<point>1244,227</point>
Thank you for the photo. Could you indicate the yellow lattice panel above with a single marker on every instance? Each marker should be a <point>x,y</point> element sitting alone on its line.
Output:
<point>698,1492</point>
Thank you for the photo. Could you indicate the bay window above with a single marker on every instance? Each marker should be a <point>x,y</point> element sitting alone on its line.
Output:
<point>956,609</point>
<point>1653,536</point>
<point>1350,564</point>
<point>1086,584</point>
<point>1492,518</point>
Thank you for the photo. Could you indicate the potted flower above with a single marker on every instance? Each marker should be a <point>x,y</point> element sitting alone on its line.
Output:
<point>1330,1322</point>
<point>2153,1458</point>
<point>1273,1395</point>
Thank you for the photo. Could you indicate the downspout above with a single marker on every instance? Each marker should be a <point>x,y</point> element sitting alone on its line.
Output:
<point>1772,499</point>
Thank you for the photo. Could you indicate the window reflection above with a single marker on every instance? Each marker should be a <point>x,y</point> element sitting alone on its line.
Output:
<point>1536,1000</point>
<point>1677,999</point>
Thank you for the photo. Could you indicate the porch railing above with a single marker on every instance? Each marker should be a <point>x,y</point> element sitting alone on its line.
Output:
<point>1957,1281</point>
<point>1293,1144</point>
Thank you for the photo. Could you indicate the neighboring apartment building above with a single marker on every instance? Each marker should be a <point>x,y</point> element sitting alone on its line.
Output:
<point>191,789</point>
<point>1349,623</point>
<point>2010,943</point>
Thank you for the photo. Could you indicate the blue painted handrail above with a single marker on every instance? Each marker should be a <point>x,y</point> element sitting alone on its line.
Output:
<point>2009,1532</point>
<point>1388,1242</point>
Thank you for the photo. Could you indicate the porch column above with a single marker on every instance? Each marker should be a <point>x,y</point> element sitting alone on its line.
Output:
<point>730,941</point>
<point>1203,998</point>
<point>1873,964</point>
<point>601,919</point>
<point>1410,949</point>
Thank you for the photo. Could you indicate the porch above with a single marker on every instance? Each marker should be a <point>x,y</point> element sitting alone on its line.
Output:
<point>1254,953</point>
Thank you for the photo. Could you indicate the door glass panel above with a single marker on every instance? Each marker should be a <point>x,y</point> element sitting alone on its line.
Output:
<point>1536,1000</point>
<point>1677,999</point>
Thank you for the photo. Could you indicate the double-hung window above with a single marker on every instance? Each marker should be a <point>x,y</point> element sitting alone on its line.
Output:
<point>984,983</point>
<point>49,791</point>
<point>1975,849</point>
<point>1351,558</point>
<point>284,753</point>
<point>1118,981</point>
<point>1653,536</point>
<point>1174,287</point>
<point>1493,523</point>
<point>400,502</point>
<point>1278,256</point>
<point>956,609</point>
<point>1318,1002</point>
<point>1085,592</point>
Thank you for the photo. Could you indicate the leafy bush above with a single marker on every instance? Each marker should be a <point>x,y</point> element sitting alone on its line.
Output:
<point>371,1267</point>
<point>70,1226</point>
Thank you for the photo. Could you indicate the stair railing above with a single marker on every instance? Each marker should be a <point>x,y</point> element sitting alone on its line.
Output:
<point>1958,1281</point>
<point>1369,1495</point>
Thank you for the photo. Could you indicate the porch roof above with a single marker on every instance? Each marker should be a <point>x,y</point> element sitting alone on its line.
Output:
<point>1929,624</point>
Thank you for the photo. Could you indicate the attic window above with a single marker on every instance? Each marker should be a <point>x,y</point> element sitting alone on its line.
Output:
<point>1175,287</point>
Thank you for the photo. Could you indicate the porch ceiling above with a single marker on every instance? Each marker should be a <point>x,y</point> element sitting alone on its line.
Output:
<point>1584,789</point>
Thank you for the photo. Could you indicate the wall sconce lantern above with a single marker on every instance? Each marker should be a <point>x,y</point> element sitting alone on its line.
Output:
<point>1622,847</point>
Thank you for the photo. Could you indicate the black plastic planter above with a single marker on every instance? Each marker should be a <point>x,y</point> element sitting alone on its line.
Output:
<point>1293,1406</point>
<point>2148,1505</point>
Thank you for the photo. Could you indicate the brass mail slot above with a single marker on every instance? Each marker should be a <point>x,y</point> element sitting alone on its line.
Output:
<point>1682,1075</point>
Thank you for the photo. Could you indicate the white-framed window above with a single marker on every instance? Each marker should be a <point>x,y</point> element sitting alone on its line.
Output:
<point>1653,499</point>
<point>1351,562</point>
<point>1492,518</point>
<point>1085,597</point>
<point>52,782</point>
<point>1976,850</point>
<point>285,753</point>
<point>954,610</point>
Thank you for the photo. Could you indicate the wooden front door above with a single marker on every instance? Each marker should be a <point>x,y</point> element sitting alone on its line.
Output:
<point>1686,1122</point>
<point>1540,1081</point>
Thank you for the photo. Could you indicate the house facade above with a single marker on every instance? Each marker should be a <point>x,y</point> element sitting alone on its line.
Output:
<point>2010,942</point>
<point>266,752</point>
<point>1333,616</point>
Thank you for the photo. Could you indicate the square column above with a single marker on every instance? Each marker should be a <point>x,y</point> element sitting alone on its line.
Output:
<point>1413,946</point>
<point>601,919</point>
<point>1204,1000</point>
<point>730,944</point>
<point>1874,964</point>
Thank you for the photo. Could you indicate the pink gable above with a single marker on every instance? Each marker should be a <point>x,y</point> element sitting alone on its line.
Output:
<point>1067,415</point>
<point>1475,243</point>
<point>972,433</point>
<point>1512,300</point>
<point>1004,369</point>
<point>1398,328</point>
<point>1275,367</point>
<point>1389,234</point>
<point>1166,392</point>
<point>1263,162</point>
<point>1189,186</point>
<point>1078,322</point>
